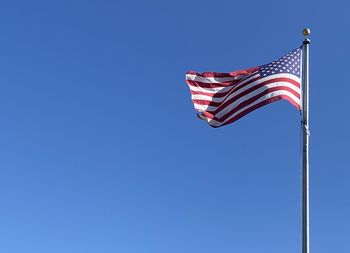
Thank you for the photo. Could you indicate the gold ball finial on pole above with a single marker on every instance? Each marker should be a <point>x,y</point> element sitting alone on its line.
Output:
<point>306,32</point>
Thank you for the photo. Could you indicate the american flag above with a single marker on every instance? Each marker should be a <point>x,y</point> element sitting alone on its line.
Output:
<point>222,98</point>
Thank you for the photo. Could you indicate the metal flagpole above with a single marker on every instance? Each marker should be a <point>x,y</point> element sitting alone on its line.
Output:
<point>305,144</point>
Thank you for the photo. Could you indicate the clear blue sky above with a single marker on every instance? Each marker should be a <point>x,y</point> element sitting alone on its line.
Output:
<point>100,149</point>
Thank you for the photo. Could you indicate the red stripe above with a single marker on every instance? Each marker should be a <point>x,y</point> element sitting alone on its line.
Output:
<point>211,85</point>
<point>218,74</point>
<point>219,84</point>
<point>261,104</point>
<point>209,74</point>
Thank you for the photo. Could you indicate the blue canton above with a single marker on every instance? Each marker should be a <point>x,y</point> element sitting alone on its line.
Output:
<point>288,64</point>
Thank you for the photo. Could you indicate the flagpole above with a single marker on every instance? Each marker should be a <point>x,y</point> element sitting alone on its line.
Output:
<point>305,144</point>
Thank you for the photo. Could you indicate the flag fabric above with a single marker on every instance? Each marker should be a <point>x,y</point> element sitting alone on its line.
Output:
<point>222,98</point>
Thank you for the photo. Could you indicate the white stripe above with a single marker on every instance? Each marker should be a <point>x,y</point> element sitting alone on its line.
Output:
<point>202,79</point>
<point>204,107</point>
<point>206,98</point>
<point>266,97</point>
<point>222,89</point>
<point>203,117</point>
<point>211,90</point>
<point>284,75</point>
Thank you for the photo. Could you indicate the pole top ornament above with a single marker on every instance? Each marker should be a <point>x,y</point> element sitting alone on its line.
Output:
<point>306,32</point>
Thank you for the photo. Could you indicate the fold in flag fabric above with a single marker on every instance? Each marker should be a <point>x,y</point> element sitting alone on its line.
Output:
<point>222,98</point>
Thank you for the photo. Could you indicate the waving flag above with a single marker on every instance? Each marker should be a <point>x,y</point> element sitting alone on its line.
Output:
<point>222,98</point>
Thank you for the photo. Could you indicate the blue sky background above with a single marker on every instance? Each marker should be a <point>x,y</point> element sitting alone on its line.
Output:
<point>100,149</point>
